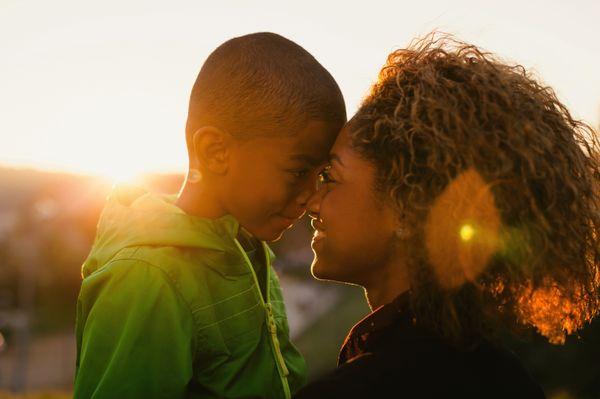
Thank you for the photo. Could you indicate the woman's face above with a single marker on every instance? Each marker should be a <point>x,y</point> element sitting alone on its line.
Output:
<point>354,230</point>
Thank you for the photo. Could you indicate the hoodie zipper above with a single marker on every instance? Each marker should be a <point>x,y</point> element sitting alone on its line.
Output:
<point>271,325</point>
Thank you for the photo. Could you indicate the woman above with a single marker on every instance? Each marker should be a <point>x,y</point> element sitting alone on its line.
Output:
<point>462,196</point>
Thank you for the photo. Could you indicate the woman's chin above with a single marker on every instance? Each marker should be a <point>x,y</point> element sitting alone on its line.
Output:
<point>316,269</point>
<point>321,271</point>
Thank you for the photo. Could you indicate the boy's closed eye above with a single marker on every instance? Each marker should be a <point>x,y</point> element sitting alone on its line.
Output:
<point>300,173</point>
<point>306,166</point>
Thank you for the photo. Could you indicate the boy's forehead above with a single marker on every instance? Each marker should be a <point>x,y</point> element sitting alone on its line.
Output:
<point>310,159</point>
<point>313,143</point>
<point>309,146</point>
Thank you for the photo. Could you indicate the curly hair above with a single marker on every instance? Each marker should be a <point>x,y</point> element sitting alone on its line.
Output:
<point>500,183</point>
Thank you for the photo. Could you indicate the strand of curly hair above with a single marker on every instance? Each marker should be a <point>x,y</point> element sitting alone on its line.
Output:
<point>442,107</point>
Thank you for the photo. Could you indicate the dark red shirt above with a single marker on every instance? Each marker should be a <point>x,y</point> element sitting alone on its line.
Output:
<point>370,327</point>
<point>388,354</point>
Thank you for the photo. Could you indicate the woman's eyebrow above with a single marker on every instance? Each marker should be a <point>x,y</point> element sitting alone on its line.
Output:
<point>335,157</point>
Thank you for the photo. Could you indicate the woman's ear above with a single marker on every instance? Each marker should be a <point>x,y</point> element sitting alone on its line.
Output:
<point>403,227</point>
<point>211,150</point>
<point>403,231</point>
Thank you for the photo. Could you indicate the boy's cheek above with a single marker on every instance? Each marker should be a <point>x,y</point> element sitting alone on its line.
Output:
<point>280,200</point>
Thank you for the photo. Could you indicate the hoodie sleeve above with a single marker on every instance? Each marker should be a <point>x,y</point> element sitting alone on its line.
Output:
<point>134,335</point>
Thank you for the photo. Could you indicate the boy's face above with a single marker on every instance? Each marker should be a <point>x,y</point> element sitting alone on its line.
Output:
<point>270,179</point>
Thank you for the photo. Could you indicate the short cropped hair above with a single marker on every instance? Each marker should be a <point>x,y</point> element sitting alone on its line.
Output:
<point>451,127</point>
<point>254,85</point>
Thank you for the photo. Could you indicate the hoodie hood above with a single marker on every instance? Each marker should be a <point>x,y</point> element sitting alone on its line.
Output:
<point>134,217</point>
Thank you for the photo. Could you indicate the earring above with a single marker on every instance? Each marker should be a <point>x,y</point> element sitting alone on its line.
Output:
<point>401,233</point>
<point>194,176</point>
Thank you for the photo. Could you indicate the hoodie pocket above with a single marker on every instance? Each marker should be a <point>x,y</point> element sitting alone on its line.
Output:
<point>229,323</point>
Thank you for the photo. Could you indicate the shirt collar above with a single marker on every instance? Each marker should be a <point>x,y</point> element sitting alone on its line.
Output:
<point>374,323</point>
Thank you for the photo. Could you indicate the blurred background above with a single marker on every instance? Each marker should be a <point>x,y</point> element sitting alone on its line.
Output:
<point>95,93</point>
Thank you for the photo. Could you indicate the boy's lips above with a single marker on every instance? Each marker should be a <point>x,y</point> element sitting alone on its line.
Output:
<point>290,220</point>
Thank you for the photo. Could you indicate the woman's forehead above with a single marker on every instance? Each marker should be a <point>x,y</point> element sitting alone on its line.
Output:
<point>341,146</point>
<point>353,165</point>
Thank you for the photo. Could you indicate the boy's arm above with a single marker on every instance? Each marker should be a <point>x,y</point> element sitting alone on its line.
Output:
<point>134,335</point>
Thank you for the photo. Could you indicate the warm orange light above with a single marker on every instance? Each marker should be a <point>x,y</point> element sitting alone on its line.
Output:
<point>554,314</point>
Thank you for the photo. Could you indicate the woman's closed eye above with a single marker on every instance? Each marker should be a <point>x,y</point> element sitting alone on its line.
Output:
<point>325,176</point>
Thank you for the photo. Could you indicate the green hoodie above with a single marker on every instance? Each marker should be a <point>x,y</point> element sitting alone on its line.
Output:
<point>171,307</point>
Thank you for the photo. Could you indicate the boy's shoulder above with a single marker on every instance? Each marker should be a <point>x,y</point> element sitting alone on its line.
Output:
<point>200,277</point>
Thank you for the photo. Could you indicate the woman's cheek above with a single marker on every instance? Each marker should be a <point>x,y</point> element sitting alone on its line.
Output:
<point>344,209</point>
<point>327,211</point>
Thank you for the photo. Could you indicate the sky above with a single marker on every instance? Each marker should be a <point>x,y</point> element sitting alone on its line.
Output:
<point>101,87</point>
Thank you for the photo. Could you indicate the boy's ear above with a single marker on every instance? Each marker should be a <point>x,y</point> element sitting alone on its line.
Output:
<point>211,149</point>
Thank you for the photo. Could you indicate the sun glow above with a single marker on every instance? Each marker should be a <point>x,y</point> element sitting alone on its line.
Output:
<point>117,173</point>
<point>111,171</point>
<point>103,93</point>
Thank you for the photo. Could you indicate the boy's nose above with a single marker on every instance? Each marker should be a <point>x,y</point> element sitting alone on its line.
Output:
<point>313,205</point>
<point>307,190</point>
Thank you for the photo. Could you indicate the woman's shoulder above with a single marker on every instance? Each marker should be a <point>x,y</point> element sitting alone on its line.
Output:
<point>415,363</point>
<point>358,378</point>
<point>430,364</point>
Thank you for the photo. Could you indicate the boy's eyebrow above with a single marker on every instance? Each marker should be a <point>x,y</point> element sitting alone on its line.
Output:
<point>306,159</point>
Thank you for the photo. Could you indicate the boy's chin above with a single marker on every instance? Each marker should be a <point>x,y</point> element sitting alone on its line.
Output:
<point>272,237</point>
<point>268,236</point>
<point>272,230</point>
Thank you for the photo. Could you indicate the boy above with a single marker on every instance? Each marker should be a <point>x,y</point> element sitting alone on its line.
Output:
<point>178,297</point>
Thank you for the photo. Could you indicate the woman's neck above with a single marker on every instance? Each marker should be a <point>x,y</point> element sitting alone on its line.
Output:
<point>377,298</point>
<point>387,285</point>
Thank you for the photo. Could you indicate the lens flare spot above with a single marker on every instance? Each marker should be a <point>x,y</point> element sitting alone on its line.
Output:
<point>467,232</point>
<point>462,230</point>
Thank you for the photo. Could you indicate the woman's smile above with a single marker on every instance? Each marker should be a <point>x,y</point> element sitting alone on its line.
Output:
<point>319,233</point>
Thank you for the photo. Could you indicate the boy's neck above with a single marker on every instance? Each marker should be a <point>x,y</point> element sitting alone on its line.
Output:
<point>195,199</point>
